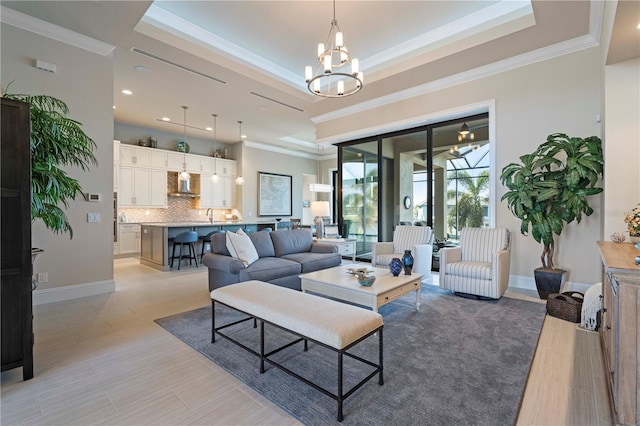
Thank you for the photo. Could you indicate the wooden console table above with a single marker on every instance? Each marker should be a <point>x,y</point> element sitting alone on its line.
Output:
<point>620,328</point>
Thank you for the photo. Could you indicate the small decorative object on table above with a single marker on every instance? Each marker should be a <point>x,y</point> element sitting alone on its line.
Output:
<point>395,266</point>
<point>407,262</point>
<point>618,237</point>
<point>365,279</point>
<point>632,219</point>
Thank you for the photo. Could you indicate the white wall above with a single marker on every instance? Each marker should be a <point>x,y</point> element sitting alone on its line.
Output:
<point>256,160</point>
<point>84,81</point>
<point>557,95</point>
<point>622,144</point>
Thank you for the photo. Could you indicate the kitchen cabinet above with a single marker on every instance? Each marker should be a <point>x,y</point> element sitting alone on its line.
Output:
<point>207,186</point>
<point>177,161</point>
<point>129,238</point>
<point>226,167</point>
<point>142,187</point>
<point>141,156</point>
<point>217,194</point>
<point>207,164</point>
<point>152,245</point>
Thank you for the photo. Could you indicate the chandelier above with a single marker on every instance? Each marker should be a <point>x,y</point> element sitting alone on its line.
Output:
<point>332,78</point>
<point>464,134</point>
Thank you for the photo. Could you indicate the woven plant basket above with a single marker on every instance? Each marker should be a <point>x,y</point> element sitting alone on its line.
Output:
<point>566,306</point>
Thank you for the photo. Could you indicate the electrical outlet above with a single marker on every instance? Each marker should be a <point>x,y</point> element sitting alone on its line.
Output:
<point>43,277</point>
<point>93,217</point>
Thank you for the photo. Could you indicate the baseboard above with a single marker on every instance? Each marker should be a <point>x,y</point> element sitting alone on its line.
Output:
<point>68,292</point>
<point>529,283</point>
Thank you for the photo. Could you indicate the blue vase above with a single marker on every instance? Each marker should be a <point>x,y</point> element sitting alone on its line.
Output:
<point>395,266</point>
<point>407,261</point>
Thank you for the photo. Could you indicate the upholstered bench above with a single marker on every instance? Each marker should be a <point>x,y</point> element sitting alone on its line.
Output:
<point>332,324</point>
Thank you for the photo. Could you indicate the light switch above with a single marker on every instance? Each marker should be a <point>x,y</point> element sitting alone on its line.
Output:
<point>93,217</point>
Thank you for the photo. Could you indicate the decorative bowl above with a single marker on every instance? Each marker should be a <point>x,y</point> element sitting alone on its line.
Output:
<point>365,280</point>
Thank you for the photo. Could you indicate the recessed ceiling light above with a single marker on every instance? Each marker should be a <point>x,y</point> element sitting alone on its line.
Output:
<point>166,119</point>
<point>638,27</point>
<point>243,136</point>
<point>142,68</point>
<point>209,129</point>
<point>127,92</point>
<point>114,107</point>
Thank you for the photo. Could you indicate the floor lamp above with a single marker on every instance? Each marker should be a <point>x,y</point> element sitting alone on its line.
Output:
<point>320,209</point>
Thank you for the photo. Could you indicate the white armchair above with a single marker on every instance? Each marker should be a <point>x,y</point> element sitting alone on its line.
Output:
<point>480,266</point>
<point>418,239</point>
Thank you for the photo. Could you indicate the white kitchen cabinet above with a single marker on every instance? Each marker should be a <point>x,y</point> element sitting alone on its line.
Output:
<point>217,194</point>
<point>207,186</point>
<point>158,188</point>
<point>129,238</point>
<point>142,156</point>
<point>226,167</point>
<point>207,164</point>
<point>142,187</point>
<point>224,192</point>
<point>176,162</point>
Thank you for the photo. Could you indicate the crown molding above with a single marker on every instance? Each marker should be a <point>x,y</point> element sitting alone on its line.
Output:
<point>281,150</point>
<point>559,49</point>
<point>54,32</point>
<point>161,19</point>
<point>415,121</point>
<point>467,26</point>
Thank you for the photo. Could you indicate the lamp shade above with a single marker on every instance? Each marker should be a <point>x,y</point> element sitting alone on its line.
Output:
<point>320,208</point>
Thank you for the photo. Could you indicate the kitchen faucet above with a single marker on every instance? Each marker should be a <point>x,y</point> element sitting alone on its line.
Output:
<point>210,215</point>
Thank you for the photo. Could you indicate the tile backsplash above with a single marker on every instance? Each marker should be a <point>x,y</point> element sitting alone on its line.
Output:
<point>178,209</point>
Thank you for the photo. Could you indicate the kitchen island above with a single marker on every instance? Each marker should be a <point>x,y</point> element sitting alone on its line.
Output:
<point>155,236</point>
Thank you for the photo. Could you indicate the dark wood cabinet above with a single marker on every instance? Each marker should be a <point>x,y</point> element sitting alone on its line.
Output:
<point>16,312</point>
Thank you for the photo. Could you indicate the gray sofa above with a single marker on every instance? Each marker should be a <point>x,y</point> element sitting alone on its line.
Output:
<point>283,255</point>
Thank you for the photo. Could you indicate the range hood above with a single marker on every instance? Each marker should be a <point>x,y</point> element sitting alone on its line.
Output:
<point>184,190</point>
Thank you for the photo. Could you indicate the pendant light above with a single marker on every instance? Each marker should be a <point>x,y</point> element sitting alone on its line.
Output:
<point>240,179</point>
<point>184,175</point>
<point>319,187</point>
<point>215,178</point>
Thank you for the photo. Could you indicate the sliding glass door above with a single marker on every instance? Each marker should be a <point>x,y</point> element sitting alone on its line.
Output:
<point>360,194</point>
<point>435,175</point>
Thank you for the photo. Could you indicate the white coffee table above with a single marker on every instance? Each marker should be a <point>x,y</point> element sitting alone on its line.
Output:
<point>337,283</point>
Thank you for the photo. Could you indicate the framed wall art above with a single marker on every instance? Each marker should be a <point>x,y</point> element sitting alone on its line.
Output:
<point>274,194</point>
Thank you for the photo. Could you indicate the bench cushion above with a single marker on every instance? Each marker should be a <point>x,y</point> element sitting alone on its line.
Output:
<point>333,323</point>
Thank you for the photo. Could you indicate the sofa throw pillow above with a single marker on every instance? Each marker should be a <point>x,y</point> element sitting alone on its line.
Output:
<point>241,247</point>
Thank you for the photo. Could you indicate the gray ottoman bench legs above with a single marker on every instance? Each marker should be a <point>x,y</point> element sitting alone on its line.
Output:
<point>334,325</point>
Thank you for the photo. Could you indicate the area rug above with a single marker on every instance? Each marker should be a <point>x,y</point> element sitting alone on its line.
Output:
<point>456,361</point>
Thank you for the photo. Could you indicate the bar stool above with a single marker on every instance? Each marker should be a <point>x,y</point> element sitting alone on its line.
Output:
<point>188,238</point>
<point>206,240</point>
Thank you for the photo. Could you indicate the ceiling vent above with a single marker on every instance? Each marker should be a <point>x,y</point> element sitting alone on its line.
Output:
<point>276,102</point>
<point>182,67</point>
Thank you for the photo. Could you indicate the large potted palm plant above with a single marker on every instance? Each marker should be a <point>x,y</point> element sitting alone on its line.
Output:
<point>56,141</point>
<point>548,189</point>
